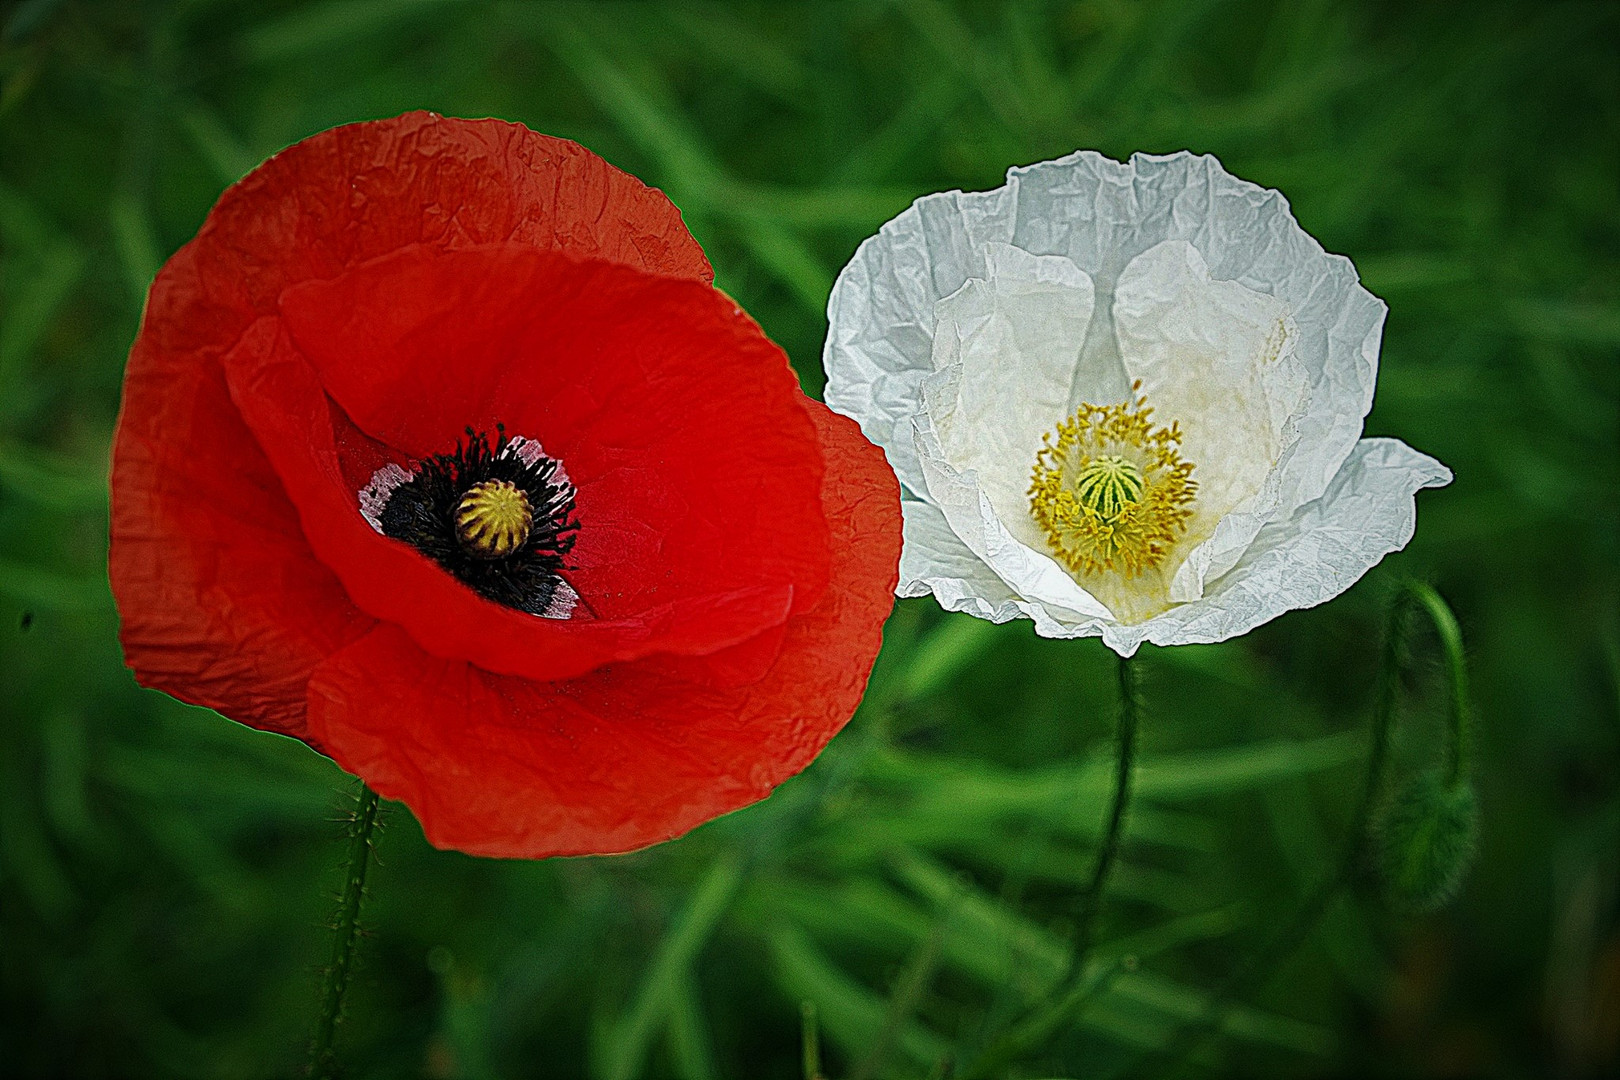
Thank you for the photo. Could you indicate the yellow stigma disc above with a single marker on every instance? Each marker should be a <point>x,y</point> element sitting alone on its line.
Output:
<point>493,519</point>
<point>1110,491</point>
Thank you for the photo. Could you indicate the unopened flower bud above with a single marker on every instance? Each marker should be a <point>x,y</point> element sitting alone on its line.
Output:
<point>1426,840</point>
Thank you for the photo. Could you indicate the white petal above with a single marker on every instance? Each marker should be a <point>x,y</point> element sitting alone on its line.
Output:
<point>1103,215</point>
<point>1368,511</point>
<point>1219,359</point>
<point>1004,356</point>
<point>1100,215</point>
<point>881,313</point>
<point>1033,575</point>
<point>934,560</point>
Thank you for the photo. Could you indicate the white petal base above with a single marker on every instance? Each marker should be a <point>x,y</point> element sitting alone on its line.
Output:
<point>1368,511</point>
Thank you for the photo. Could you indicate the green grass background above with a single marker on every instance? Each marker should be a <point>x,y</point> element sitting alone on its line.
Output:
<point>167,873</point>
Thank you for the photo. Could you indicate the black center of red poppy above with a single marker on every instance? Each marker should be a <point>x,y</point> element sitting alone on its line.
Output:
<point>500,518</point>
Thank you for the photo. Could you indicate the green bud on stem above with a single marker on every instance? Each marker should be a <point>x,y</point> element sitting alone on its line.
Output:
<point>1426,839</point>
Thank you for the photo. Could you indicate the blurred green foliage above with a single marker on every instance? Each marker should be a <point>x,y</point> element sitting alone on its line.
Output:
<point>167,874</point>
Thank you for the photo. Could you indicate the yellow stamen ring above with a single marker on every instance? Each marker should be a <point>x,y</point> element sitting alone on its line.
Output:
<point>493,519</point>
<point>1110,491</point>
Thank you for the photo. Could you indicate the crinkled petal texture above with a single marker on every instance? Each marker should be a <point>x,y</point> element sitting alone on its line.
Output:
<point>363,299</point>
<point>626,755</point>
<point>974,322</point>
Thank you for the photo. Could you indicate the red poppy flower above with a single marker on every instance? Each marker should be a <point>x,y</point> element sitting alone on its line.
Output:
<point>439,452</point>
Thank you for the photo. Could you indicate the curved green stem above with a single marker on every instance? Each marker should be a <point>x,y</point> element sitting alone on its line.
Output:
<point>1257,970</point>
<point>345,931</point>
<point>1460,748</point>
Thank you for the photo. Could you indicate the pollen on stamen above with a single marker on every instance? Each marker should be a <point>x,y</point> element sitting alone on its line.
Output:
<point>1110,491</point>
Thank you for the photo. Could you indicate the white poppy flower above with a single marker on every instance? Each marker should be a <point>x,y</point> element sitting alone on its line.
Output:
<point>1124,400</point>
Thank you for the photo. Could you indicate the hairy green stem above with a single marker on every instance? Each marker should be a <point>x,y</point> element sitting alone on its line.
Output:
<point>1460,748</point>
<point>1124,765</point>
<point>1386,708</point>
<point>345,931</point>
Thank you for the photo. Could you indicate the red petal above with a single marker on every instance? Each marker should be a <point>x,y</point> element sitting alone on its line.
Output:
<point>624,757</point>
<point>353,193</point>
<point>697,482</point>
<point>679,421</point>
<point>221,602</point>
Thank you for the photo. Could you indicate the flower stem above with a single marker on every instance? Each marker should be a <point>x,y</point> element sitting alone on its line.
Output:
<point>1257,970</point>
<point>1124,765</point>
<point>1070,997</point>
<point>1459,749</point>
<point>345,931</point>
<point>1386,708</point>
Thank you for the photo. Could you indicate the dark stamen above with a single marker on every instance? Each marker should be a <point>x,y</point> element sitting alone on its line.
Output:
<point>422,511</point>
